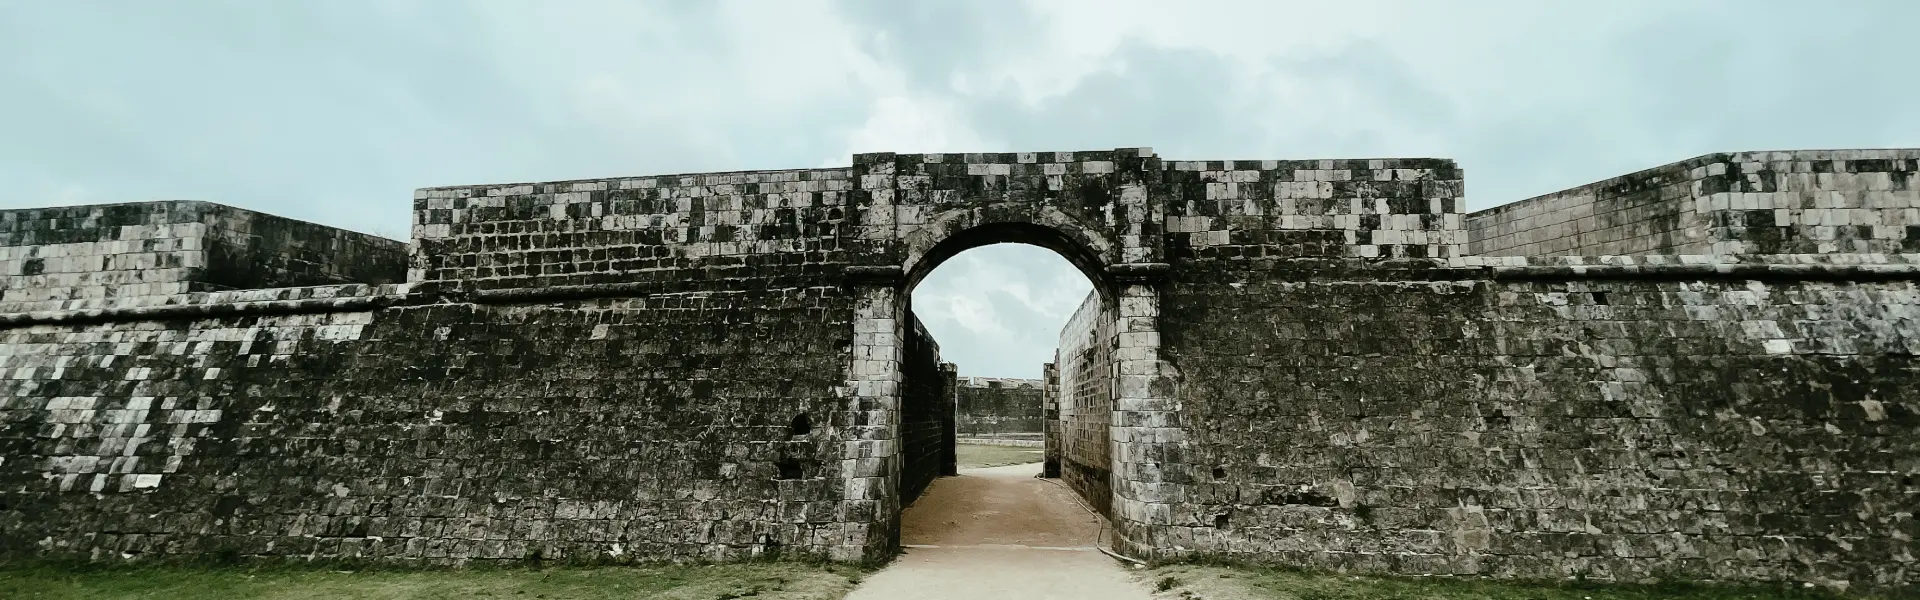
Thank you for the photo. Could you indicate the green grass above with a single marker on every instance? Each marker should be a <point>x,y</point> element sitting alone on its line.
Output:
<point>1216,581</point>
<point>758,581</point>
<point>974,456</point>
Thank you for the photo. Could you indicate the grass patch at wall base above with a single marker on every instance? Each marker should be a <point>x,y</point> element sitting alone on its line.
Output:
<point>1227,581</point>
<point>974,456</point>
<point>757,580</point>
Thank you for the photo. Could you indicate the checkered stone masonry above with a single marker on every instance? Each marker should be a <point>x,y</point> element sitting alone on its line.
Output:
<point>1378,208</point>
<point>80,257</point>
<point>1800,202</point>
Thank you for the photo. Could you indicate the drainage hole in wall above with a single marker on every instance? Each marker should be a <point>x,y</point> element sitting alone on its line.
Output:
<point>1219,473</point>
<point>789,468</point>
<point>1220,521</point>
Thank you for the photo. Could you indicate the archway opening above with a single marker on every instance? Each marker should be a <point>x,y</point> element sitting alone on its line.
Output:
<point>1007,382</point>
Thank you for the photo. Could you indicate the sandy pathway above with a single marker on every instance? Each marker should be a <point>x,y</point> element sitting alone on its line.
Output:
<point>999,534</point>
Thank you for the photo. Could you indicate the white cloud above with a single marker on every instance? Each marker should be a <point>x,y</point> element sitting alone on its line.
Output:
<point>914,125</point>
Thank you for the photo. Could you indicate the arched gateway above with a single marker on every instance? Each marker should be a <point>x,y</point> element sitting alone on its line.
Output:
<point>1704,369</point>
<point>916,211</point>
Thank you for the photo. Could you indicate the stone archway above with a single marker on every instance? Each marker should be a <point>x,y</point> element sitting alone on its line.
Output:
<point>1045,226</point>
<point>907,223</point>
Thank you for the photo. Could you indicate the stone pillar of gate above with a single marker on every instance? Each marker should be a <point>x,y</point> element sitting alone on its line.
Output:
<point>870,463</point>
<point>1145,439</point>
<point>1145,436</point>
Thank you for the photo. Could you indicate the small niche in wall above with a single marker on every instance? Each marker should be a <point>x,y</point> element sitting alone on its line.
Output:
<point>787,468</point>
<point>801,426</point>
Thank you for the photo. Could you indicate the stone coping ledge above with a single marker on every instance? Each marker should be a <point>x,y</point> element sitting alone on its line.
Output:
<point>317,292</point>
<point>197,311</point>
<point>1810,272</point>
<point>1684,259</point>
<point>294,300</point>
<point>1770,267</point>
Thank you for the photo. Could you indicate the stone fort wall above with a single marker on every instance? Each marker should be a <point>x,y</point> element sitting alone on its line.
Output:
<point>535,405</point>
<point>994,406</point>
<point>1084,361</point>
<point>583,429</point>
<point>80,256</point>
<point>1538,423</point>
<point>927,414</point>
<point>1304,364</point>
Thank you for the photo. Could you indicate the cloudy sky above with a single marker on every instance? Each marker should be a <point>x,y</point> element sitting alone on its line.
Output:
<point>335,111</point>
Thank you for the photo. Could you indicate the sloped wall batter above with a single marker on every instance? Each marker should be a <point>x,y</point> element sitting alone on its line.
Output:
<point>1616,428</point>
<point>655,427</point>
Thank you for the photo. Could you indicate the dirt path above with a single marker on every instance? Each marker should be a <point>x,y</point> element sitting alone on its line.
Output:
<point>1000,534</point>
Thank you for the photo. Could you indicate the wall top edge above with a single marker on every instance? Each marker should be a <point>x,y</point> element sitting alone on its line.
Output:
<point>333,298</point>
<point>1683,166</point>
<point>191,211</point>
<point>1012,382</point>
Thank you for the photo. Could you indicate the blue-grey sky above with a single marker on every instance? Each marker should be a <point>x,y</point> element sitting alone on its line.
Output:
<point>334,111</point>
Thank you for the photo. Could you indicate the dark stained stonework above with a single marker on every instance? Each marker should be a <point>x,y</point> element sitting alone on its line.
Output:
<point>1287,361</point>
<point>927,422</point>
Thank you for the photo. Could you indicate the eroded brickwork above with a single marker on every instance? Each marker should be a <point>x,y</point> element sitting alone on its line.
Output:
<point>657,426</point>
<point>1607,427</point>
<point>995,407</point>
